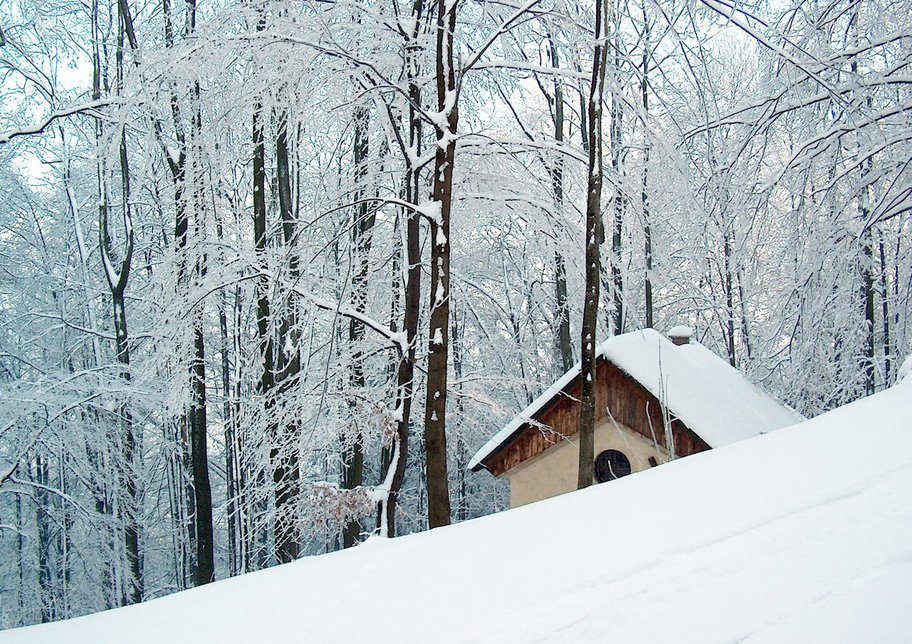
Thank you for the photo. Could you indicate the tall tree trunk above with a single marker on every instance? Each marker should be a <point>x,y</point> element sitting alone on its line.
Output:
<point>564,341</point>
<point>286,474</point>
<point>885,312</point>
<point>867,295</point>
<point>117,281</point>
<point>205,551</point>
<point>592,272</point>
<point>205,546</point>
<point>398,450</point>
<point>242,467</point>
<point>728,289</point>
<point>361,228</point>
<point>644,191</point>
<point>103,493</point>
<point>21,565</point>
<point>867,268</point>
<point>229,420</point>
<point>617,320</point>
<point>43,523</point>
<point>742,306</point>
<point>444,157</point>
<point>186,177</point>
<point>866,236</point>
<point>462,500</point>
<point>117,274</point>
<point>266,383</point>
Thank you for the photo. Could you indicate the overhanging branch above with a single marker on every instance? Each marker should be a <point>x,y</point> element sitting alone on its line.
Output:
<point>89,109</point>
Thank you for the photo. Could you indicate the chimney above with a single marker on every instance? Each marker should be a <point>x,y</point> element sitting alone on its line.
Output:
<point>680,334</point>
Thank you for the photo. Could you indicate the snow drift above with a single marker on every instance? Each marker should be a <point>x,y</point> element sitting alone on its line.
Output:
<point>801,535</point>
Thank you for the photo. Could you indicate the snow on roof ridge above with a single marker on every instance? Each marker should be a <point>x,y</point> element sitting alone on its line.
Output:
<point>669,377</point>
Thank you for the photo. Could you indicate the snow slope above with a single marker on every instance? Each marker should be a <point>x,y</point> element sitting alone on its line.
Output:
<point>709,395</point>
<point>801,535</point>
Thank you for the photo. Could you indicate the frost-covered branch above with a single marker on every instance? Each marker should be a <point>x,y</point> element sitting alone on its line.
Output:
<point>89,109</point>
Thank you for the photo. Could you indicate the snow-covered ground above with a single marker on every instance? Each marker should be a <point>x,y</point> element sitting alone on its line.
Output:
<point>802,535</point>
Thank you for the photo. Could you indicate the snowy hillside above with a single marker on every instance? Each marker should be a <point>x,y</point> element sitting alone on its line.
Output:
<point>803,535</point>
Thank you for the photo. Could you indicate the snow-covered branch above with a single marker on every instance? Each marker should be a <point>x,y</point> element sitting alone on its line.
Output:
<point>90,109</point>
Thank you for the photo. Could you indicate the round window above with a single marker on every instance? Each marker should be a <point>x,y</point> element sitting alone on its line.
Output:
<point>611,464</point>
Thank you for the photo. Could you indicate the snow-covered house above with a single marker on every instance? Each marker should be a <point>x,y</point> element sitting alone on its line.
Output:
<point>655,397</point>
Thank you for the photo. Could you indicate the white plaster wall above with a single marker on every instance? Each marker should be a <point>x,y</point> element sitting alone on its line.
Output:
<point>554,471</point>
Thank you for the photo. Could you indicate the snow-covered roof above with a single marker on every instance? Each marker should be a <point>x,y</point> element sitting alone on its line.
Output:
<point>813,549</point>
<point>707,394</point>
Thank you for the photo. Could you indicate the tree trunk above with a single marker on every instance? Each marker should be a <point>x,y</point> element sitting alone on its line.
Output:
<point>644,192</point>
<point>187,202</point>
<point>617,276</point>
<point>884,312</point>
<point>462,500</point>
<point>43,523</point>
<point>205,551</point>
<point>286,474</point>
<point>398,451</point>
<point>564,341</point>
<point>266,382</point>
<point>729,289</point>
<point>444,157</point>
<point>117,275</point>
<point>205,542</point>
<point>867,295</point>
<point>592,272</point>
<point>229,420</point>
<point>353,456</point>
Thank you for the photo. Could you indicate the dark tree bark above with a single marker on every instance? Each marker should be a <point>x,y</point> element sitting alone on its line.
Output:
<point>21,565</point>
<point>230,420</point>
<point>617,319</point>
<point>728,284</point>
<point>867,268</point>
<point>117,272</point>
<point>885,312</point>
<point>185,501</point>
<point>361,228</point>
<point>117,283</point>
<point>592,272</point>
<point>742,307</point>
<point>205,542</point>
<point>462,499</point>
<point>564,341</point>
<point>286,473</point>
<point>43,544</point>
<point>266,384</point>
<point>185,174</point>
<point>866,236</point>
<point>867,295</point>
<point>644,192</point>
<point>398,451</point>
<point>444,157</point>
<point>204,571</point>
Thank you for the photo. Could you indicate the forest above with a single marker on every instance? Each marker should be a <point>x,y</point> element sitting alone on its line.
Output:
<point>272,270</point>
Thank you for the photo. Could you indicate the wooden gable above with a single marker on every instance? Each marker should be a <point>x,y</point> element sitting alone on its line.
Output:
<point>630,404</point>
